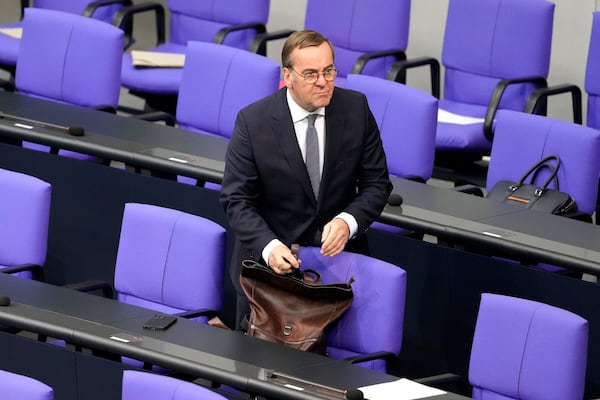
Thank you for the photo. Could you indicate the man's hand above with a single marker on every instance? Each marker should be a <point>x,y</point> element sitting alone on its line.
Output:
<point>281,260</point>
<point>335,236</point>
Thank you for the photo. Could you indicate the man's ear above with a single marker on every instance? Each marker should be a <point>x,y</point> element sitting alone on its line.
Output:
<point>287,77</point>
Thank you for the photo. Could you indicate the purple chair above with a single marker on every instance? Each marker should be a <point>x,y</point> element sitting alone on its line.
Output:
<point>495,53</point>
<point>139,385</point>
<point>103,10</point>
<point>16,386</point>
<point>527,350</point>
<point>592,78</point>
<point>24,219</point>
<point>407,119</point>
<point>170,261</point>
<point>81,62</point>
<point>217,82</point>
<point>370,332</point>
<point>233,23</point>
<point>368,36</point>
<point>523,139</point>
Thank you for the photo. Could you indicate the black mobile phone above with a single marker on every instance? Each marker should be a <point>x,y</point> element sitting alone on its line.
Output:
<point>159,322</point>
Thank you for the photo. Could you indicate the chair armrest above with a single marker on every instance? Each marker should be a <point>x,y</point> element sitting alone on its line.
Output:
<point>219,38</point>
<point>205,312</point>
<point>106,108</point>
<point>37,271</point>
<point>7,85</point>
<point>157,116</point>
<point>259,43</point>
<point>539,98</point>
<point>362,61</point>
<point>494,103</point>
<point>91,286</point>
<point>124,19</point>
<point>91,8</point>
<point>469,189</point>
<point>398,72</point>
<point>24,5</point>
<point>377,355</point>
<point>441,379</point>
<point>413,178</point>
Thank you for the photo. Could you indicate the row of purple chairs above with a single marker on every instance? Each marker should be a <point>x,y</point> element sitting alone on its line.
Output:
<point>103,10</point>
<point>174,262</point>
<point>522,349</point>
<point>160,265</point>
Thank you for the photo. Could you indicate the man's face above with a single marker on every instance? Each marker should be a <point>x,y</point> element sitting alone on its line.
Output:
<point>310,96</point>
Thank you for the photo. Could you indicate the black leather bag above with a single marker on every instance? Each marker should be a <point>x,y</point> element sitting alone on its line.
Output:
<point>295,309</point>
<point>534,197</point>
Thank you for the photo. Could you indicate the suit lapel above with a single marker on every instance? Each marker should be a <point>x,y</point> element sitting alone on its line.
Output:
<point>334,135</point>
<point>283,131</point>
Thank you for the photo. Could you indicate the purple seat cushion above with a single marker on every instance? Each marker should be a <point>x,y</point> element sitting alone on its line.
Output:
<point>163,81</point>
<point>74,48</point>
<point>16,386</point>
<point>194,21</point>
<point>139,385</point>
<point>592,79</point>
<point>25,215</point>
<point>9,47</point>
<point>219,82</point>
<point>160,264</point>
<point>374,321</point>
<point>478,52</point>
<point>356,27</point>
<point>523,349</point>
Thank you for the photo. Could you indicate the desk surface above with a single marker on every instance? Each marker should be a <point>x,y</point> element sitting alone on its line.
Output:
<point>511,230</point>
<point>127,139</point>
<point>188,347</point>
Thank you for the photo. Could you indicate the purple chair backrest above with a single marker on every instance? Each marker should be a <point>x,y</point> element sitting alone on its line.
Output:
<point>138,385</point>
<point>16,386</point>
<point>169,260</point>
<point>105,13</point>
<point>69,58</point>
<point>375,320</point>
<point>217,82</point>
<point>24,219</point>
<point>407,119</point>
<point>592,75</point>
<point>524,349</point>
<point>359,26</point>
<point>201,20</point>
<point>486,41</point>
<point>522,139</point>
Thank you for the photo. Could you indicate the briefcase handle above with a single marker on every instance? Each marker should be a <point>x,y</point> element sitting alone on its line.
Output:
<point>544,162</point>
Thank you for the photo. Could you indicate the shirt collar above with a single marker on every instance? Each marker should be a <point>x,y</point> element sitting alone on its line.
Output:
<point>299,113</point>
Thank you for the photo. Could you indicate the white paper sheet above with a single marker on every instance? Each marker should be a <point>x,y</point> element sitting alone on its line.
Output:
<point>16,33</point>
<point>451,118</point>
<point>157,59</point>
<point>402,389</point>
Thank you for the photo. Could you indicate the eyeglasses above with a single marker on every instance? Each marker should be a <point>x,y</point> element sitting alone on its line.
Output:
<point>312,77</point>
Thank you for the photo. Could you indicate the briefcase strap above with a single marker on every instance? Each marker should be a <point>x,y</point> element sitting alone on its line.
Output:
<point>536,168</point>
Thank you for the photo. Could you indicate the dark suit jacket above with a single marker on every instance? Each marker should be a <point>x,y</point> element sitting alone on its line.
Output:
<point>266,191</point>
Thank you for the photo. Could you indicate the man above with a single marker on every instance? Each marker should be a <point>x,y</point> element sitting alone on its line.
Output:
<point>267,191</point>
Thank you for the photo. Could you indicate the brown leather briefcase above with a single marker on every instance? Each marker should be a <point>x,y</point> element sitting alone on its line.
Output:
<point>294,309</point>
